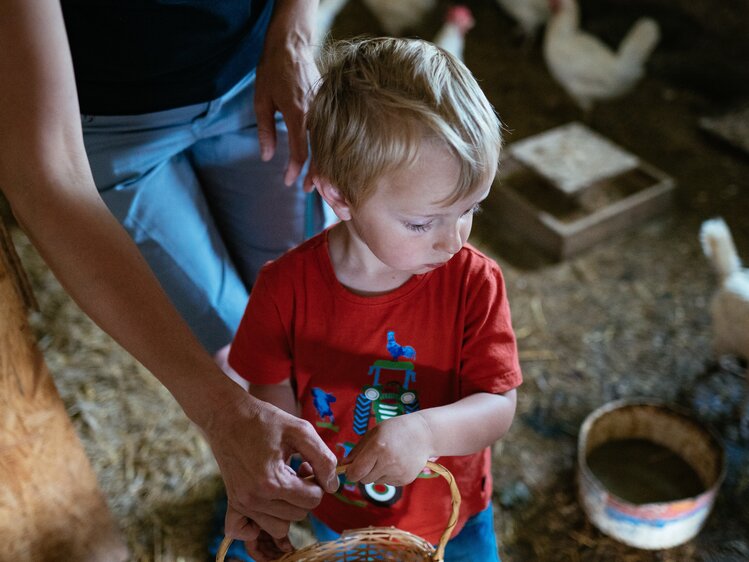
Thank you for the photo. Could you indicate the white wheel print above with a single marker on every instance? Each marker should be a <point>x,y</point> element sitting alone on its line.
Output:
<point>381,494</point>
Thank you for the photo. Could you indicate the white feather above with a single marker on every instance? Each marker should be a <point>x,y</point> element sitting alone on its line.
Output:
<point>730,305</point>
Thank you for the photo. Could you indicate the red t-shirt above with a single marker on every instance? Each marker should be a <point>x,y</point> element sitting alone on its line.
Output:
<point>357,360</point>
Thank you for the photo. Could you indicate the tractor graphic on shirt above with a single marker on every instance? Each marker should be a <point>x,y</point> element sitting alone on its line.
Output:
<point>388,396</point>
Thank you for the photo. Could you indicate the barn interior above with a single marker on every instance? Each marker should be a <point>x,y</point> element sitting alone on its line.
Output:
<point>624,314</point>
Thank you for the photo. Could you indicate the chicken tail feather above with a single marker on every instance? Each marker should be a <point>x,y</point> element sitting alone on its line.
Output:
<point>640,41</point>
<point>717,244</point>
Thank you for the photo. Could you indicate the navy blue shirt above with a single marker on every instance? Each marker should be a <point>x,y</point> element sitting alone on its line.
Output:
<point>139,56</point>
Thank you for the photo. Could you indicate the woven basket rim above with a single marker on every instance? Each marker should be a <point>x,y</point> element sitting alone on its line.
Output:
<point>379,535</point>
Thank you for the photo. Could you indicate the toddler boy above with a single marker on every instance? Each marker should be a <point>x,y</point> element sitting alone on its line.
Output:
<point>388,332</point>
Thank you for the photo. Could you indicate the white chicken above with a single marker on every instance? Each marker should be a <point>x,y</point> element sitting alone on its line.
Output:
<point>395,16</point>
<point>529,14</point>
<point>588,69</point>
<point>730,305</point>
<point>327,11</point>
<point>451,36</point>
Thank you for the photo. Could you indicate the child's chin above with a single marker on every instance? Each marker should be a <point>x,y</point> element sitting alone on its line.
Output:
<point>430,267</point>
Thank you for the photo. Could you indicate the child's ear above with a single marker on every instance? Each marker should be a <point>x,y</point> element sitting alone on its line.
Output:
<point>333,197</point>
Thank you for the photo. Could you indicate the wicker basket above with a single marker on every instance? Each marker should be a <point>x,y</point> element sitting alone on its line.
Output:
<point>375,543</point>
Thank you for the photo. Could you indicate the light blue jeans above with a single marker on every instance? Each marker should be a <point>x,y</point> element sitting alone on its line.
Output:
<point>189,186</point>
<point>476,541</point>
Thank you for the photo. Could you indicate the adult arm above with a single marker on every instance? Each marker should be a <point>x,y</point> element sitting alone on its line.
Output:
<point>396,450</point>
<point>45,176</point>
<point>286,76</point>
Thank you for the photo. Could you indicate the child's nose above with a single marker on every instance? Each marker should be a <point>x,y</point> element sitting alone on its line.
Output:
<point>450,241</point>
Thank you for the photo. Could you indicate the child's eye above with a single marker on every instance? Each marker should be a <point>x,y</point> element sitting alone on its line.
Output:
<point>418,227</point>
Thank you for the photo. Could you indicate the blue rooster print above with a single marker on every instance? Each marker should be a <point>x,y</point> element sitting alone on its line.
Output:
<point>397,351</point>
<point>322,401</point>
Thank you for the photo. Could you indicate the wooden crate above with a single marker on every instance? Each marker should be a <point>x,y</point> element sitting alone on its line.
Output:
<point>606,190</point>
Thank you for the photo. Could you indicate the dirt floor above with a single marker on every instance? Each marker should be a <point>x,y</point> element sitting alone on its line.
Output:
<point>627,318</point>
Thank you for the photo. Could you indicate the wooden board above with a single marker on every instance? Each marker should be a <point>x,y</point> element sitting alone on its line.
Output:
<point>572,157</point>
<point>562,226</point>
<point>51,507</point>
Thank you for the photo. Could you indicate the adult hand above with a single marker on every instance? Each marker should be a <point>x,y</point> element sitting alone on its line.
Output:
<point>286,76</point>
<point>393,452</point>
<point>266,548</point>
<point>251,441</point>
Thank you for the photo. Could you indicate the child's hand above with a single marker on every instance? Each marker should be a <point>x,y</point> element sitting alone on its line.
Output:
<point>392,452</point>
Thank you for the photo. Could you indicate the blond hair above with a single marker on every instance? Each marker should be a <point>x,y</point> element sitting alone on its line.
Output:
<point>379,99</point>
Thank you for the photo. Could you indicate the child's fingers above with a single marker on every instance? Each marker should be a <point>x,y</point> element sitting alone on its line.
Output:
<point>389,479</point>
<point>362,469</point>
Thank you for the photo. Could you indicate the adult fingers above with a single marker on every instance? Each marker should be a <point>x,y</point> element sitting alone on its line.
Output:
<point>267,549</point>
<point>279,493</point>
<point>296,126</point>
<point>285,509</point>
<point>238,526</point>
<point>265,113</point>
<point>274,526</point>
<point>306,442</point>
<point>255,551</point>
<point>309,178</point>
<point>299,495</point>
<point>290,499</point>
<point>283,544</point>
<point>308,186</point>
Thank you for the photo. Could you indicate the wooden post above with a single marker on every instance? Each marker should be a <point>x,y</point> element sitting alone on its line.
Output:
<point>51,507</point>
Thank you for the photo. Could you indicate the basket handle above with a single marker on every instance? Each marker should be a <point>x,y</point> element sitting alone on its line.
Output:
<point>439,554</point>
